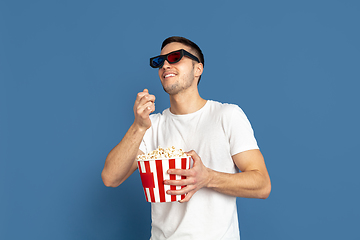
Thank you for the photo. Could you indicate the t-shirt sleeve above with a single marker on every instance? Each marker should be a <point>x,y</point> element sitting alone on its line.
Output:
<point>239,131</point>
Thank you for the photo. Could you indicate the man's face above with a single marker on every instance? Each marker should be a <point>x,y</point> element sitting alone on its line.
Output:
<point>180,76</point>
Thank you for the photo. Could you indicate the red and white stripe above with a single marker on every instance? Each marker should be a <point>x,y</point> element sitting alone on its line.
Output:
<point>154,172</point>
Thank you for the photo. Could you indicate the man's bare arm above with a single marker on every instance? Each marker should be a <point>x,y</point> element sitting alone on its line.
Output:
<point>120,162</point>
<point>252,182</point>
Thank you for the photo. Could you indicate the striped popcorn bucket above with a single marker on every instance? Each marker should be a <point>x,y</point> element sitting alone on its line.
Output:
<point>153,172</point>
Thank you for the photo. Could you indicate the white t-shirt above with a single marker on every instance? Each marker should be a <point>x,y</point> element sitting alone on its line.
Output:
<point>216,132</point>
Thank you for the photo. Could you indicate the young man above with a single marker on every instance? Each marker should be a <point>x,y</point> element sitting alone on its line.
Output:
<point>219,138</point>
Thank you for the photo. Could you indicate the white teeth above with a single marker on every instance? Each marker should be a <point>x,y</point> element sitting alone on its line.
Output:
<point>170,75</point>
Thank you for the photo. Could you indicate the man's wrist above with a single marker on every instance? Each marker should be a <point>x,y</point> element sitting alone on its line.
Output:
<point>138,128</point>
<point>210,177</point>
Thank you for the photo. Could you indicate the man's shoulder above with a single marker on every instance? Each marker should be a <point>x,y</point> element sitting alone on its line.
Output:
<point>223,107</point>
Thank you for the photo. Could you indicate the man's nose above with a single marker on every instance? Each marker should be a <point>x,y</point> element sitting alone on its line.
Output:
<point>166,64</point>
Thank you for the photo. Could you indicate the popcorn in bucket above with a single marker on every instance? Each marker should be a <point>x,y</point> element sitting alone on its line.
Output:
<point>153,171</point>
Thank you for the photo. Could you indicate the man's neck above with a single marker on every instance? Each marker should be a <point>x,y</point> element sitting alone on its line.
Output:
<point>186,102</point>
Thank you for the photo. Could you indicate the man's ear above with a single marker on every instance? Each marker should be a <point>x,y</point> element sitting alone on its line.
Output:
<point>199,68</point>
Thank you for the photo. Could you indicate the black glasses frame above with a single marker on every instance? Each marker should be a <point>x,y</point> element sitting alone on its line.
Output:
<point>162,58</point>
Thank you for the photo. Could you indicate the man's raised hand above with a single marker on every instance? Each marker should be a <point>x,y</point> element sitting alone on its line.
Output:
<point>144,105</point>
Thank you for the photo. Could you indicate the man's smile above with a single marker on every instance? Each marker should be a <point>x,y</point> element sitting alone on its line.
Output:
<point>167,75</point>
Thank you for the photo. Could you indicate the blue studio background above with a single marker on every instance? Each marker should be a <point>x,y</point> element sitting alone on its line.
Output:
<point>69,74</point>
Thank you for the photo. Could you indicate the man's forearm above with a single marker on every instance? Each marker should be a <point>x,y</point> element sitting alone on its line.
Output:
<point>119,164</point>
<point>249,184</point>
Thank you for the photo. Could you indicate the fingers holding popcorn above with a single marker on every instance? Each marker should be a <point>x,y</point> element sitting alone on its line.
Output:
<point>143,107</point>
